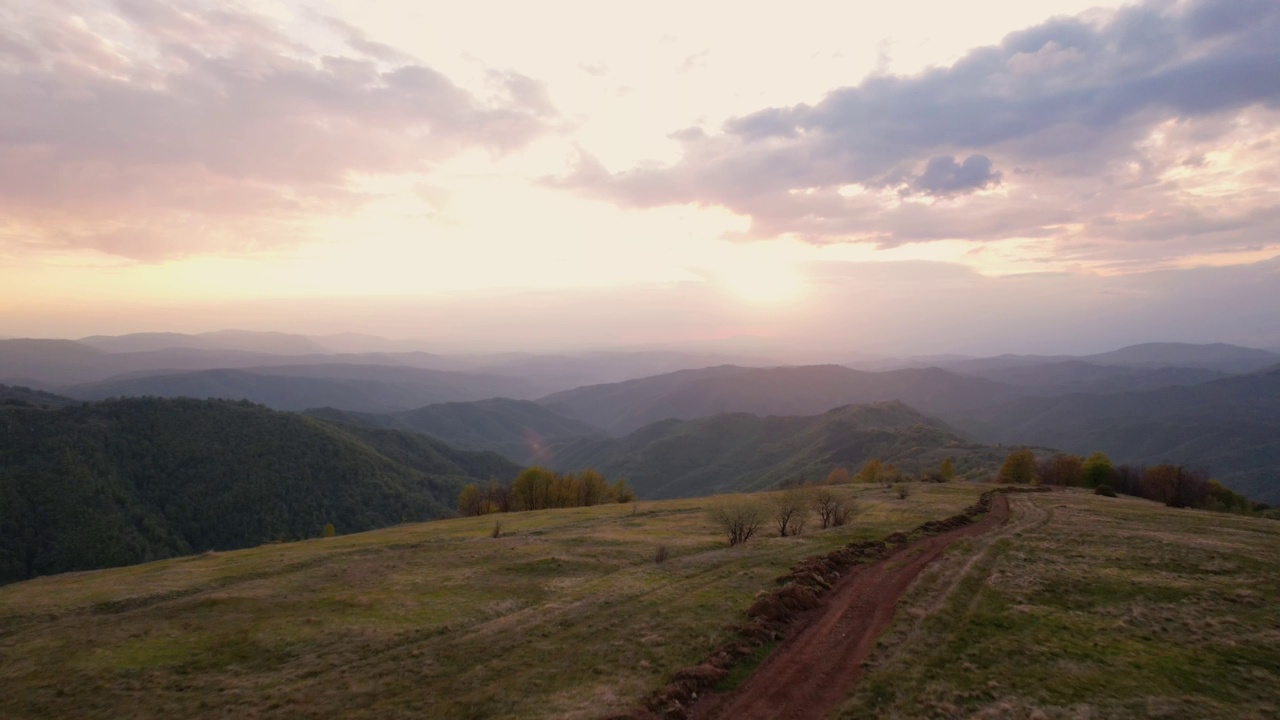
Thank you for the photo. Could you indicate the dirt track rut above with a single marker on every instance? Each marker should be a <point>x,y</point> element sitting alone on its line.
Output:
<point>814,670</point>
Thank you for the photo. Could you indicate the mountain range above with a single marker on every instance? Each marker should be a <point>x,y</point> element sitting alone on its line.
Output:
<point>738,452</point>
<point>620,408</point>
<point>1229,426</point>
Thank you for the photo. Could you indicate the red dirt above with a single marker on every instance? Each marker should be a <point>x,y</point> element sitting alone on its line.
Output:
<point>818,665</point>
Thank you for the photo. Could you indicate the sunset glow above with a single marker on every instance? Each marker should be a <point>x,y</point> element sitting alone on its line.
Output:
<point>159,160</point>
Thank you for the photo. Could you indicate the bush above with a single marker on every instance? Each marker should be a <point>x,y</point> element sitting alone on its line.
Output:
<point>330,530</point>
<point>1105,491</point>
<point>738,520</point>
<point>790,509</point>
<point>497,530</point>
<point>833,509</point>
<point>660,556</point>
<point>903,491</point>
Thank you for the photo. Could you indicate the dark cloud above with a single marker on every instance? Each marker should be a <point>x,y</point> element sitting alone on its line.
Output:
<point>145,116</point>
<point>1094,113</point>
<point>944,176</point>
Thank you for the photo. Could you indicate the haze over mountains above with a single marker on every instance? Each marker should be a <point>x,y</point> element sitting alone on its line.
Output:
<point>1212,405</point>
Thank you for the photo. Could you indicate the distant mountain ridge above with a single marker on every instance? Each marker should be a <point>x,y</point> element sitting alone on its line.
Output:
<point>120,482</point>
<point>274,343</point>
<point>620,408</point>
<point>520,430</point>
<point>352,387</point>
<point>739,452</point>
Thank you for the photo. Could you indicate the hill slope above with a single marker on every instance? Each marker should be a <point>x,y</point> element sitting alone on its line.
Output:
<point>623,407</point>
<point>127,481</point>
<point>1078,376</point>
<point>517,429</point>
<point>564,616</point>
<point>368,388</point>
<point>737,452</point>
<point>1230,426</point>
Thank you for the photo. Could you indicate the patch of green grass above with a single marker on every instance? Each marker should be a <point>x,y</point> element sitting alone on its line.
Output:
<point>564,616</point>
<point>1090,608</point>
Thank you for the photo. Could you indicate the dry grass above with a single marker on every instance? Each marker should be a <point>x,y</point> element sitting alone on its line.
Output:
<point>1090,607</point>
<point>566,614</point>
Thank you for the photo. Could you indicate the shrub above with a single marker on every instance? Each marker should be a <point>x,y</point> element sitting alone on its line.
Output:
<point>1105,491</point>
<point>833,509</point>
<point>739,520</point>
<point>330,530</point>
<point>903,491</point>
<point>790,509</point>
<point>660,556</point>
<point>497,530</point>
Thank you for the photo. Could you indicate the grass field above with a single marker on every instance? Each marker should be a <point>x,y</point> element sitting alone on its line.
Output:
<point>565,615</point>
<point>1089,607</point>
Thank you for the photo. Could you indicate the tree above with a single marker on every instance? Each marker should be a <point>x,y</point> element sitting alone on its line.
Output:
<point>622,492</point>
<point>1175,485</point>
<point>532,488</point>
<point>738,519</point>
<point>1098,470</point>
<point>833,509</point>
<point>1019,467</point>
<point>1061,469</point>
<point>330,530</point>
<point>869,472</point>
<point>472,501</point>
<point>789,510</point>
<point>947,471</point>
<point>593,489</point>
<point>839,476</point>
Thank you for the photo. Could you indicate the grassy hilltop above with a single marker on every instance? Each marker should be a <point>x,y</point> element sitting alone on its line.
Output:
<point>1081,606</point>
<point>565,615</point>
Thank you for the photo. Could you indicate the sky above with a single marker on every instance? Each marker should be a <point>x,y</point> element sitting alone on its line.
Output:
<point>815,179</point>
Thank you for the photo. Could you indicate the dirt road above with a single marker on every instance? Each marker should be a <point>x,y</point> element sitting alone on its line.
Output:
<point>814,670</point>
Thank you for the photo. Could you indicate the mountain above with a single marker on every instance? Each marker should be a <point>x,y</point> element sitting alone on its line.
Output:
<point>45,363</point>
<point>620,408</point>
<point>369,388</point>
<point>520,430</point>
<point>1229,426</point>
<point>1071,376</point>
<point>272,343</point>
<point>738,452</point>
<point>1217,356</point>
<point>126,481</point>
<point>19,395</point>
<point>51,364</point>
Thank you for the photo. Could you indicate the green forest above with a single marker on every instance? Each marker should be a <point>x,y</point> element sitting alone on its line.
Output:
<point>125,481</point>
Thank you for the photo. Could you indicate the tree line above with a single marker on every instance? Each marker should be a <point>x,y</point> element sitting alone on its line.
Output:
<point>537,488</point>
<point>1177,486</point>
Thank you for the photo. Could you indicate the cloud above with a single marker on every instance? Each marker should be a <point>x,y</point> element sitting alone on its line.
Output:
<point>148,130</point>
<point>1079,129</point>
<point>944,176</point>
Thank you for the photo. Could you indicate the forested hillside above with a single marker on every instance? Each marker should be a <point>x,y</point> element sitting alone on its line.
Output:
<point>517,429</point>
<point>126,481</point>
<point>1231,427</point>
<point>738,452</point>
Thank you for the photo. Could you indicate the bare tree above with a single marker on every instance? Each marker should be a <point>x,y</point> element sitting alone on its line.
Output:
<point>790,509</point>
<point>739,520</point>
<point>833,508</point>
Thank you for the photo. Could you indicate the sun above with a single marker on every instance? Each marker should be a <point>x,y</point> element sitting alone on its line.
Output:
<point>760,281</point>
